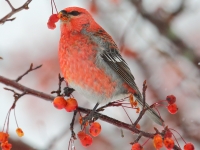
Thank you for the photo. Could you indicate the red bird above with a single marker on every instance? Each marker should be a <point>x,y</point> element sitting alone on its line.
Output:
<point>91,63</point>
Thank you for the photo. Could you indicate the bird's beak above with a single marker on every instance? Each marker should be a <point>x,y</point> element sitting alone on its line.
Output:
<point>63,15</point>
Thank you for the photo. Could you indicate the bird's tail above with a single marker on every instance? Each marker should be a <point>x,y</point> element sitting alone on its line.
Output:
<point>150,112</point>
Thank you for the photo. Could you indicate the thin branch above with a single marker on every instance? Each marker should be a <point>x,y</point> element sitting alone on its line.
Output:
<point>14,11</point>
<point>22,88</point>
<point>143,94</point>
<point>16,95</point>
<point>144,109</point>
<point>58,92</point>
<point>73,135</point>
<point>11,6</point>
<point>136,140</point>
<point>29,70</point>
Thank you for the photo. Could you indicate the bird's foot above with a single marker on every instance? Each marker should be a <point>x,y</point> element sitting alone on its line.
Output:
<point>90,117</point>
<point>87,119</point>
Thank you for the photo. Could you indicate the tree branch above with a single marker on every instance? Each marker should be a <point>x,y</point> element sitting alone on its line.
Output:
<point>29,70</point>
<point>18,86</point>
<point>14,11</point>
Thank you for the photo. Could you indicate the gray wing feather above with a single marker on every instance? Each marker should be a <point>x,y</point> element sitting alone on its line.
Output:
<point>113,58</point>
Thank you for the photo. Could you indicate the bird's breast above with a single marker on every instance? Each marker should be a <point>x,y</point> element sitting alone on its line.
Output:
<point>78,62</point>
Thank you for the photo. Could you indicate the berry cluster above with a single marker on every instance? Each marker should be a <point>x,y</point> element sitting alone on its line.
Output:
<point>172,107</point>
<point>69,105</point>
<point>4,141</point>
<point>5,145</point>
<point>167,140</point>
<point>86,139</point>
<point>52,20</point>
<point>159,139</point>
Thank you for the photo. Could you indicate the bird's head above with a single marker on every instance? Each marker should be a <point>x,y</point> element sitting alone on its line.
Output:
<point>75,18</point>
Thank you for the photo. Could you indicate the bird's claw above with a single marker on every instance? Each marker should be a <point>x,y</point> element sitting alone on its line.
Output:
<point>85,120</point>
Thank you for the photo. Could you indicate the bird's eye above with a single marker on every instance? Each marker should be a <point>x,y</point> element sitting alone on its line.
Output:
<point>74,13</point>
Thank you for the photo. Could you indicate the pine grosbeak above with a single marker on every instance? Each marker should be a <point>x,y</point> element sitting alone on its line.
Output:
<point>91,63</point>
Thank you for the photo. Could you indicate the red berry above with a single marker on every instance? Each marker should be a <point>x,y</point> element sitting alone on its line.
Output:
<point>172,108</point>
<point>71,105</point>
<point>157,141</point>
<point>136,146</point>
<point>59,102</point>
<point>169,143</point>
<point>171,99</point>
<point>51,25</point>
<point>6,146</point>
<point>87,140</point>
<point>189,146</point>
<point>53,18</point>
<point>168,134</point>
<point>138,126</point>
<point>19,132</point>
<point>81,120</point>
<point>3,137</point>
<point>81,135</point>
<point>95,129</point>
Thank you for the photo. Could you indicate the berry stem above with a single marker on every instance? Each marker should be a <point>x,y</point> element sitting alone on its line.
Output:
<point>55,6</point>
<point>73,135</point>
<point>157,112</point>
<point>51,7</point>
<point>15,118</point>
<point>179,135</point>
<point>159,103</point>
<point>7,118</point>
<point>145,142</point>
<point>127,114</point>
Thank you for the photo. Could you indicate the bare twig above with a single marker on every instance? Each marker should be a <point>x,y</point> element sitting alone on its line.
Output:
<point>136,140</point>
<point>22,88</point>
<point>143,94</point>
<point>67,90</point>
<point>144,109</point>
<point>58,92</point>
<point>72,125</point>
<point>111,104</point>
<point>14,11</point>
<point>16,96</point>
<point>29,70</point>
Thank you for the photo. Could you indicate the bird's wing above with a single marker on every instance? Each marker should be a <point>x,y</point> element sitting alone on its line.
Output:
<point>113,58</point>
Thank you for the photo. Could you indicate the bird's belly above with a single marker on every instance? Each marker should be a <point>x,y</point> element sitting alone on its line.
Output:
<point>88,78</point>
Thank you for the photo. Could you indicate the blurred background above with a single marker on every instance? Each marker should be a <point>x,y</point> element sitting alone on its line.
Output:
<point>159,39</point>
